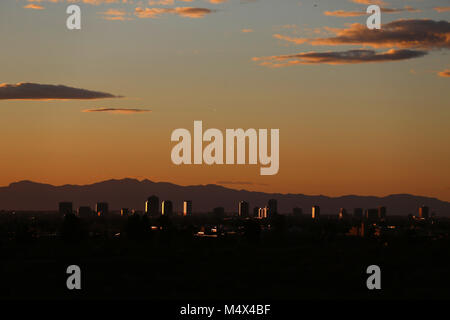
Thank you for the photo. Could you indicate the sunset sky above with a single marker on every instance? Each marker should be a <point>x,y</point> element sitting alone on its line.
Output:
<point>359,111</point>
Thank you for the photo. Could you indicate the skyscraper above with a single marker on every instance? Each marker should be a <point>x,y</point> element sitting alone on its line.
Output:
<point>65,208</point>
<point>358,213</point>
<point>152,206</point>
<point>263,213</point>
<point>84,212</point>
<point>187,208</point>
<point>101,209</point>
<point>297,212</point>
<point>272,207</point>
<point>382,213</point>
<point>371,214</point>
<point>243,209</point>
<point>124,212</point>
<point>166,208</point>
<point>342,213</point>
<point>424,212</point>
<point>315,212</point>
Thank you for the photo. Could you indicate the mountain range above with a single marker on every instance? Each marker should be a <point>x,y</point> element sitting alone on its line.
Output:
<point>132,193</point>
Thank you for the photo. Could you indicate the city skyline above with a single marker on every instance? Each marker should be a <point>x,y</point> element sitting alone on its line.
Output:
<point>370,119</point>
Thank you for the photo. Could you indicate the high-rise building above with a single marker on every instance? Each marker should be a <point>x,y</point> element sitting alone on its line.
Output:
<point>124,212</point>
<point>243,209</point>
<point>358,213</point>
<point>152,206</point>
<point>166,208</point>
<point>315,212</point>
<point>263,213</point>
<point>84,212</point>
<point>371,214</point>
<point>65,208</point>
<point>297,212</point>
<point>342,213</point>
<point>424,212</point>
<point>382,213</point>
<point>272,207</point>
<point>255,212</point>
<point>219,212</point>
<point>102,209</point>
<point>187,208</point>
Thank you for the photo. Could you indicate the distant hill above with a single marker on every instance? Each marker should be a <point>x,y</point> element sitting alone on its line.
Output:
<point>132,193</point>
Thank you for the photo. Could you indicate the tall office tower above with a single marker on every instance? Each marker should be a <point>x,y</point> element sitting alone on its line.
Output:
<point>102,209</point>
<point>382,213</point>
<point>342,213</point>
<point>297,212</point>
<point>315,212</point>
<point>358,213</point>
<point>272,207</point>
<point>219,212</point>
<point>263,213</point>
<point>166,208</point>
<point>124,212</point>
<point>255,212</point>
<point>65,208</point>
<point>243,209</point>
<point>187,208</point>
<point>371,214</point>
<point>84,212</point>
<point>152,206</point>
<point>424,212</point>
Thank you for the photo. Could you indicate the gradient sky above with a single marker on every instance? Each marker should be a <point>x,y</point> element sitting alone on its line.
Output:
<point>367,128</point>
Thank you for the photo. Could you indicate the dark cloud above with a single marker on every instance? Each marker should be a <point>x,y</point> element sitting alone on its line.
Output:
<point>35,91</point>
<point>342,57</point>
<point>118,110</point>
<point>404,33</point>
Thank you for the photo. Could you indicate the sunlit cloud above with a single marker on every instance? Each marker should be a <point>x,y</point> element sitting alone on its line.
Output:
<point>345,14</point>
<point>247,30</point>
<point>442,9</point>
<point>34,6</point>
<point>444,74</point>
<point>188,12</point>
<point>35,91</point>
<point>115,14</point>
<point>404,33</point>
<point>338,57</point>
<point>118,110</point>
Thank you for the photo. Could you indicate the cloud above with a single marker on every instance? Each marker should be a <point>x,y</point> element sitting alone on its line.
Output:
<point>34,6</point>
<point>404,33</point>
<point>337,58</point>
<point>35,91</point>
<point>188,12</point>
<point>442,9</point>
<point>246,30</point>
<point>369,2</point>
<point>344,14</point>
<point>115,14</point>
<point>118,110</point>
<point>444,74</point>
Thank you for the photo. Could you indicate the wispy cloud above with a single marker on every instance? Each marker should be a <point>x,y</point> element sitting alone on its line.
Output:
<point>444,74</point>
<point>338,57</point>
<point>117,110</point>
<point>404,33</point>
<point>246,30</point>
<point>345,14</point>
<point>442,9</point>
<point>34,6</point>
<point>35,91</point>
<point>187,12</point>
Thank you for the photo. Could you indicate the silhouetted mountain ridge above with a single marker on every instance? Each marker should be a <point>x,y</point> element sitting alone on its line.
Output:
<point>132,193</point>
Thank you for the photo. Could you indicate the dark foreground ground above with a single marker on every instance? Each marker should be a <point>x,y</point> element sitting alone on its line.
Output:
<point>211,269</point>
